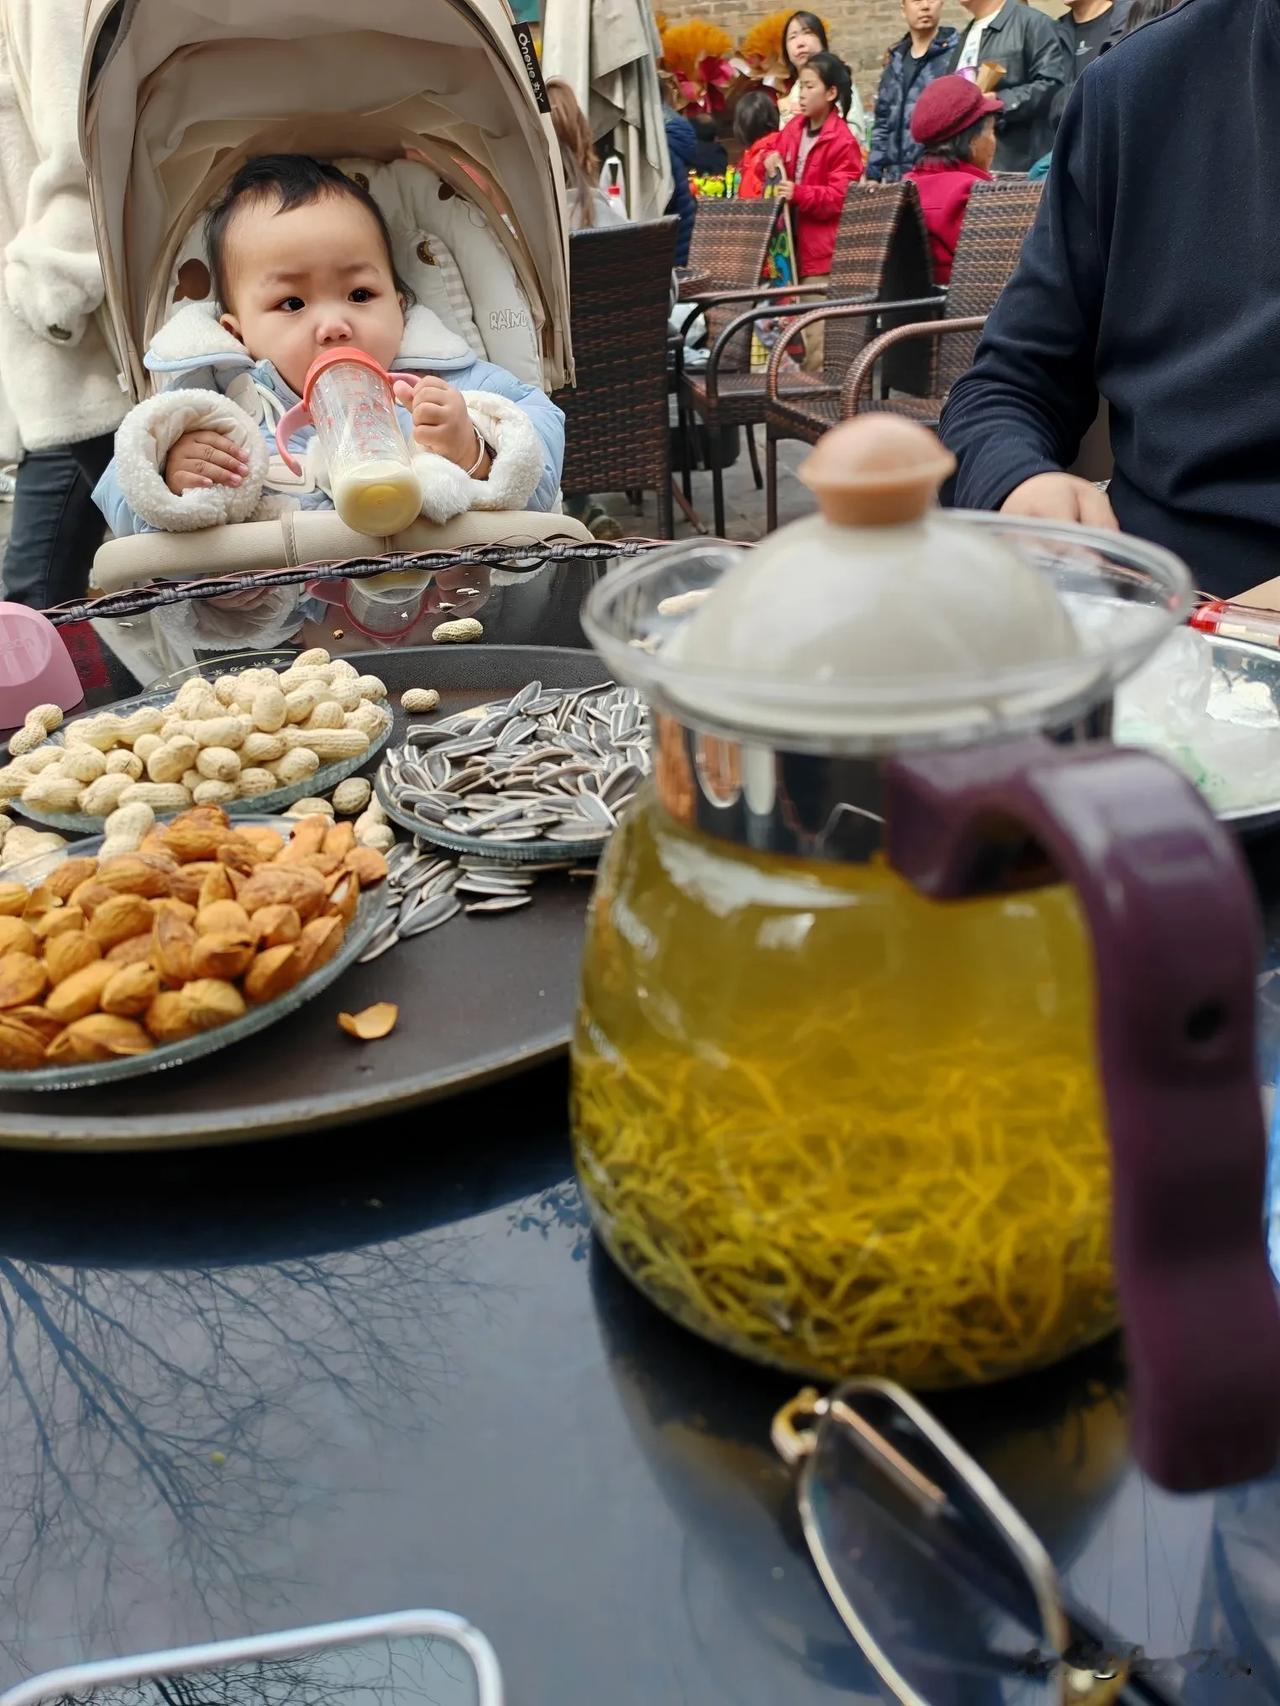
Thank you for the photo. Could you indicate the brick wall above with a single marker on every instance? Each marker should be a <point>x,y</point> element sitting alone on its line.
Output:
<point>861,30</point>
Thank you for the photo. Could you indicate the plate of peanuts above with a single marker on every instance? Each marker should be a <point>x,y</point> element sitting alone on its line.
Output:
<point>251,741</point>
<point>118,964</point>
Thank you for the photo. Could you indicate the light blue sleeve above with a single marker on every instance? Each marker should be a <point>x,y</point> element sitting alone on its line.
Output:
<point>111,501</point>
<point>545,418</point>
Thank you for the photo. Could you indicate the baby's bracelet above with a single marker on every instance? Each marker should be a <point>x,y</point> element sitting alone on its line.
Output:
<point>482,450</point>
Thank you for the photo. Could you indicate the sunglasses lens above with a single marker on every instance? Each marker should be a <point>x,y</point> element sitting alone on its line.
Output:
<point>927,1580</point>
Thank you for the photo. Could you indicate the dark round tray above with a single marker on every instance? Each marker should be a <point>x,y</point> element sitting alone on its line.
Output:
<point>480,997</point>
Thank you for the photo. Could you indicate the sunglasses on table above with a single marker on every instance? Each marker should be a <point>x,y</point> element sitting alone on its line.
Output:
<point>949,1594</point>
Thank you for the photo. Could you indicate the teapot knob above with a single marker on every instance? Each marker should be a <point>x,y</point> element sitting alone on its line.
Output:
<point>876,471</point>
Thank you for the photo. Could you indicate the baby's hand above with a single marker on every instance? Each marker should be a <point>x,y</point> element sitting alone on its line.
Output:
<point>440,419</point>
<point>204,458</point>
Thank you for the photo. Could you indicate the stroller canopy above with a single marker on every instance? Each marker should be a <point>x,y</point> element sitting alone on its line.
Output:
<point>177,94</point>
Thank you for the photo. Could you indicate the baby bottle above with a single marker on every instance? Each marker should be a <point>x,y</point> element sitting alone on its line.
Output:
<point>347,397</point>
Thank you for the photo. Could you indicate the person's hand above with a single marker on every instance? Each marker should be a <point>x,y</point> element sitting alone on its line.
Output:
<point>204,458</point>
<point>440,419</point>
<point>773,163</point>
<point>785,191</point>
<point>1061,497</point>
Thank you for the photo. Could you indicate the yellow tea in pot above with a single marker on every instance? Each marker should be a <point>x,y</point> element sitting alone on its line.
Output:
<point>836,1126</point>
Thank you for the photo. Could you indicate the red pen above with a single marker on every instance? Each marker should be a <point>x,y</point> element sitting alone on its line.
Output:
<point>1238,622</point>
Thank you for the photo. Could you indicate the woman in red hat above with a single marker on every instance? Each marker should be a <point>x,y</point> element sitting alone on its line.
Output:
<point>955,124</point>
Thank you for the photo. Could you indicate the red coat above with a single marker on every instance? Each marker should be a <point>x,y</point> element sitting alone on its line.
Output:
<point>752,167</point>
<point>944,188</point>
<point>835,161</point>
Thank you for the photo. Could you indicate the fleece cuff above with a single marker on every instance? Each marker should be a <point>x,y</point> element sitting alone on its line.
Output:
<point>149,432</point>
<point>516,468</point>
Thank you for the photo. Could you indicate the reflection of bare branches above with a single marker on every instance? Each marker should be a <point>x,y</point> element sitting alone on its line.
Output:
<point>558,1205</point>
<point>409,1671</point>
<point>197,1397</point>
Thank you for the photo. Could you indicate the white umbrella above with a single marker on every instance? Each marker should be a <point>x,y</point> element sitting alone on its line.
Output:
<point>607,52</point>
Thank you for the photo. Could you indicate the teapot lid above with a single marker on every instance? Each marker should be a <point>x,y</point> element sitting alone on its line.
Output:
<point>879,586</point>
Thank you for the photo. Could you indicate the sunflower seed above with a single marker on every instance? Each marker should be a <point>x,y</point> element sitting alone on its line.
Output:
<point>500,903</point>
<point>429,915</point>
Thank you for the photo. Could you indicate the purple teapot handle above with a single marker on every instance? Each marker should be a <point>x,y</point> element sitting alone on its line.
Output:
<point>1175,942</point>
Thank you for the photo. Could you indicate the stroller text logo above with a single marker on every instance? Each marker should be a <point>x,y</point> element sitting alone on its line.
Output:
<point>529,53</point>
<point>508,319</point>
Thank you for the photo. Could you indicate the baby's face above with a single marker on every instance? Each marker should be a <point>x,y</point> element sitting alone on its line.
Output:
<point>307,281</point>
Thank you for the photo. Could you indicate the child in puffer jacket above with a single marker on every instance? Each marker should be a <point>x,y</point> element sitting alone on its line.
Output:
<point>302,264</point>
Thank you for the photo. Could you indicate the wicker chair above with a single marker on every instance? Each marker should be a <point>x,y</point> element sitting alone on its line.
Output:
<point>617,431</point>
<point>880,247</point>
<point>996,223</point>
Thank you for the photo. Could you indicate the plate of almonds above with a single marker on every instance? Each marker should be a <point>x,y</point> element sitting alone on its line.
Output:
<point>129,963</point>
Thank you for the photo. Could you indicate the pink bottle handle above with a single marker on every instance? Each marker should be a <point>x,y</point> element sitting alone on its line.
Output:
<point>293,420</point>
<point>1175,941</point>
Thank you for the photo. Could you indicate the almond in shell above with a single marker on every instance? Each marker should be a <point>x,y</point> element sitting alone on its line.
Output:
<point>131,991</point>
<point>319,942</point>
<point>211,1001</point>
<point>38,1019</point>
<point>340,840</point>
<point>217,886</point>
<point>167,1019</point>
<point>13,899</point>
<point>190,838</point>
<point>277,926</point>
<point>23,978</point>
<point>119,918</point>
<point>68,954</point>
<point>70,874</point>
<point>136,873</point>
<point>89,896</point>
<point>307,837</point>
<point>136,951</point>
<point>173,946</point>
<point>345,897</point>
<point>224,954</point>
<point>17,937</point>
<point>273,972</point>
<point>21,1047</point>
<point>81,993</point>
<point>99,1036</point>
<point>187,882</point>
<point>368,864</point>
<point>64,920</point>
<point>222,915</point>
<point>284,885</point>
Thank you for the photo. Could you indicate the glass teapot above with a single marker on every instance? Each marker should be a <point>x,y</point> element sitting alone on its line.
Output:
<point>895,943</point>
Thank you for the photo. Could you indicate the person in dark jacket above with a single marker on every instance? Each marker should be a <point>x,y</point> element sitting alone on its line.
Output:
<point>682,146</point>
<point>1028,45</point>
<point>912,65</point>
<point>1147,281</point>
<point>955,124</point>
<point>710,158</point>
<point>1087,26</point>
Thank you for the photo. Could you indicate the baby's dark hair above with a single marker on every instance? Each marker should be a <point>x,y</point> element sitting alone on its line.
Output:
<point>835,75</point>
<point>755,115</point>
<point>290,180</point>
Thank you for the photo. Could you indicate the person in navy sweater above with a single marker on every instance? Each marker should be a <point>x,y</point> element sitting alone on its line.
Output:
<point>1151,280</point>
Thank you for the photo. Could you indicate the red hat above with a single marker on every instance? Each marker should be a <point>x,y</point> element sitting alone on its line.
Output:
<point>948,106</point>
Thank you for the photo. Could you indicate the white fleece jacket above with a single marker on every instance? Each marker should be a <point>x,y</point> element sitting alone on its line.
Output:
<point>59,378</point>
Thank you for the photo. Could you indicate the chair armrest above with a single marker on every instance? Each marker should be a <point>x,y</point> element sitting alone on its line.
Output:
<point>837,311</point>
<point>742,321</point>
<point>860,373</point>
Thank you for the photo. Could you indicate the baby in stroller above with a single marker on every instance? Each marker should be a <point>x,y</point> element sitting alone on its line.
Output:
<point>301,262</point>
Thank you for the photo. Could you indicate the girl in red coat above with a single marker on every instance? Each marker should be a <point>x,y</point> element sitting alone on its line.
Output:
<point>954,122</point>
<point>819,158</point>
<point>755,124</point>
